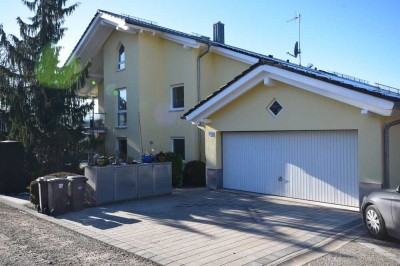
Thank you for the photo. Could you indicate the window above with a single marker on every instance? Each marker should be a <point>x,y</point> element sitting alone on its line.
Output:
<point>177,97</point>
<point>275,108</point>
<point>121,108</point>
<point>122,148</point>
<point>121,58</point>
<point>178,146</point>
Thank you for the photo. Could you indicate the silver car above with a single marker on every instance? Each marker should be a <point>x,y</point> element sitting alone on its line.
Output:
<point>381,213</point>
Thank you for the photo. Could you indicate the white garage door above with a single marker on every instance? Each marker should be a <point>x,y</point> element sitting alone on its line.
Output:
<point>312,165</point>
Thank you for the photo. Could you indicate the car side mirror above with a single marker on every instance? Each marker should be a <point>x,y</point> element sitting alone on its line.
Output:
<point>398,189</point>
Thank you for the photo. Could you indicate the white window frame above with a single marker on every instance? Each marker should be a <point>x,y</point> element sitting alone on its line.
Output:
<point>118,112</point>
<point>172,144</point>
<point>270,104</point>
<point>172,108</point>
<point>119,68</point>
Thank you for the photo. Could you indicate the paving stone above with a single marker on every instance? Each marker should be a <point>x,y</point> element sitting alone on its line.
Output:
<point>175,263</point>
<point>134,250</point>
<point>253,254</point>
<point>124,246</point>
<point>280,254</point>
<point>165,261</point>
<point>141,252</point>
<point>254,263</point>
<point>266,260</point>
<point>148,255</point>
<point>157,258</point>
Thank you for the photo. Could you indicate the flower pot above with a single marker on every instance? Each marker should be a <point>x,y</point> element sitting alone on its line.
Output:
<point>147,158</point>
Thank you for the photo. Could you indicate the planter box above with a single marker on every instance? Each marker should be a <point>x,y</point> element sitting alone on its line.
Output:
<point>127,182</point>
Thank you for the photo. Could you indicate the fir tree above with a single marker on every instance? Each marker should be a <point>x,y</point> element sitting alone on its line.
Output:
<point>45,114</point>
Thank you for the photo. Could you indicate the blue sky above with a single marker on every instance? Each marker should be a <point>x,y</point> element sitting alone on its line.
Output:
<point>357,38</point>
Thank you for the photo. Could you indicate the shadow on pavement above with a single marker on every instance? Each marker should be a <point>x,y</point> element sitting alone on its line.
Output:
<point>250,214</point>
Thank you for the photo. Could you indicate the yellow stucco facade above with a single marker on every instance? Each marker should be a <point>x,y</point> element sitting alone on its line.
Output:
<point>153,65</point>
<point>303,110</point>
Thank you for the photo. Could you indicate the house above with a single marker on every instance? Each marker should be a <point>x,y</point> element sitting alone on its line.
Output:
<point>261,124</point>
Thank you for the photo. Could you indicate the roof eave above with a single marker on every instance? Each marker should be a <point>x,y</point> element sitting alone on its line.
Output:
<point>260,73</point>
<point>88,30</point>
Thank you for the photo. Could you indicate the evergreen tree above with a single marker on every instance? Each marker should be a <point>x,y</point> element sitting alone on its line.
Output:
<point>45,114</point>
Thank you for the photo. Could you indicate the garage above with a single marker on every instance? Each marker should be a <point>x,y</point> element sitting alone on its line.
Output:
<point>281,130</point>
<point>318,166</point>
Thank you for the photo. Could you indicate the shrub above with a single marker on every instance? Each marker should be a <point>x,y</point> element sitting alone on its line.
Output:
<point>177,165</point>
<point>194,174</point>
<point>62,174</point>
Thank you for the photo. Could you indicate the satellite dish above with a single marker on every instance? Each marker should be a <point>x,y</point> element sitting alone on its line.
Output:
<point>296,49</point>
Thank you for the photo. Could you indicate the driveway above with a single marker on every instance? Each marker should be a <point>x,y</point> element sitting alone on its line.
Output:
<point>203,227</point>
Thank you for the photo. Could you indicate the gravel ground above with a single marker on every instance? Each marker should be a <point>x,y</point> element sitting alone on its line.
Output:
<point>355,253</point>
<point>27,240</point>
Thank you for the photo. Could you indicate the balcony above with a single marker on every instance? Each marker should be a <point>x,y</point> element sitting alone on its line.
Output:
<point>95,123</point>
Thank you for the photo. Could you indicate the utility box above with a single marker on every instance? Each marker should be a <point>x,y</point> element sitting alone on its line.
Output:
<point>100,184</point>
<point>58,199</point>
<point>145,180</point>
<point>162,179</point>
<point>12,171</point>
<point>76,191</point>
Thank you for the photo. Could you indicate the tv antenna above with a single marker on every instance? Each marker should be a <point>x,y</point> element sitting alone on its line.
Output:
<point>296,50</point>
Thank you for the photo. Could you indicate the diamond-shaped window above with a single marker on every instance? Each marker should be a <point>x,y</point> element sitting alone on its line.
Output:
<point>275,108</point>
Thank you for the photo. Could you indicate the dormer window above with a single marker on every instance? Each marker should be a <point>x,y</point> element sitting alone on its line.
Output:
<point>121,58</point>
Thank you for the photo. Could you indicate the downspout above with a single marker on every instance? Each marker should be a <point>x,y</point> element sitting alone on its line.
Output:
<point>199,72</point>
<point>386,152</point>
<point>205,51</point>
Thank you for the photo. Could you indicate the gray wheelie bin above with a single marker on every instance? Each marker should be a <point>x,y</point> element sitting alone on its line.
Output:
<point>58,199</point>
<point>42,206</point>
<point>76,191</point>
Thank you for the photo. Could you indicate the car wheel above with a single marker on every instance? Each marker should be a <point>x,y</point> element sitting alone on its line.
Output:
<point>374,222</point>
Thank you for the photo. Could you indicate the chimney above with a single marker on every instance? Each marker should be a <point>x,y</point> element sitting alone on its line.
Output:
<point>219,35</point>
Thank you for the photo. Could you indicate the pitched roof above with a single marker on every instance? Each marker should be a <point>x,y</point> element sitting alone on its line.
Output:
<point>388,93</point>
<point>317,74</point>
